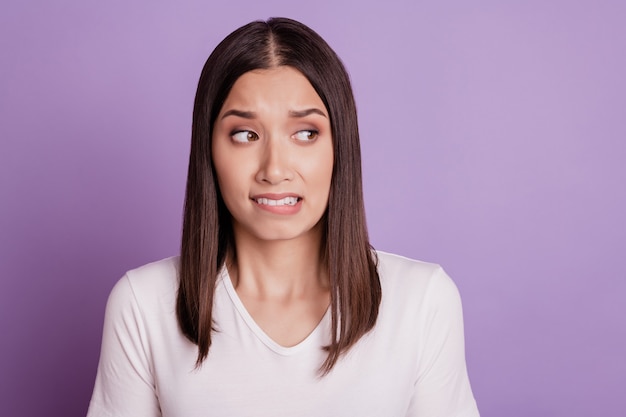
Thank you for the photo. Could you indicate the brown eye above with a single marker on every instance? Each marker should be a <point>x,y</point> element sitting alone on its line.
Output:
<point>306,135</point>
<point>244,136</point>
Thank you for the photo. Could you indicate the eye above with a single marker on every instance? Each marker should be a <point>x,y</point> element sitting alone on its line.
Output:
<point>306,135</point>
<point>244,136</point>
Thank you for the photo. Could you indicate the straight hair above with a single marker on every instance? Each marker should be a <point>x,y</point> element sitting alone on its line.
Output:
<point>207,236</point>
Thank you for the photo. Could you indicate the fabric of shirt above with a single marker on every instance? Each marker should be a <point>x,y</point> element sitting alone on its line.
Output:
<point>412,363</point>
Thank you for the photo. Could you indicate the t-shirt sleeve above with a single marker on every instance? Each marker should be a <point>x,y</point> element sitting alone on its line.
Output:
<point>442,387</point>
<point>124,383</point>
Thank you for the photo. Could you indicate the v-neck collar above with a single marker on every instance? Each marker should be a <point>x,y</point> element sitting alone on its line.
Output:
<point>318,337</point>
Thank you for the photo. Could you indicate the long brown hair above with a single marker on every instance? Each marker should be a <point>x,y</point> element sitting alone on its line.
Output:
<point>207,229</point>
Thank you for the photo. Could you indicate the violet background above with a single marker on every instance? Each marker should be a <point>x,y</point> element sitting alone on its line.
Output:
<point>494,143</point>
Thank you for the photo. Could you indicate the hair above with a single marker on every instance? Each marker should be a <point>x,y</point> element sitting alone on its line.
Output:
<point>207,235</point>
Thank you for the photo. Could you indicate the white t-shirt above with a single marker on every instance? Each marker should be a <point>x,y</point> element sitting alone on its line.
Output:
<point>411,364</point>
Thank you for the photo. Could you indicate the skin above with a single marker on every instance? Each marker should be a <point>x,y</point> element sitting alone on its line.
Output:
<point>272,139</point>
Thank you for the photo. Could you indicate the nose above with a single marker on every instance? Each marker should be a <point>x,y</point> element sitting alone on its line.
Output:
<point>274,166</point>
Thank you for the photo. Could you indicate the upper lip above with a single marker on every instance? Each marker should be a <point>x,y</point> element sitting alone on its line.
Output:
<point>275,196</point>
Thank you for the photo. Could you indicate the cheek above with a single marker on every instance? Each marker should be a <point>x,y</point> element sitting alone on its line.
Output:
<point>228,168</point>
<point>226,176</point>
<point>231,184</point>
<point>321,169</point>
<point>327,163</point>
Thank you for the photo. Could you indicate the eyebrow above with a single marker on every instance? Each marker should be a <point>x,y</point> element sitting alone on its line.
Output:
<point>306,112</point>
<point>240,113</point>
<point>292,113</point>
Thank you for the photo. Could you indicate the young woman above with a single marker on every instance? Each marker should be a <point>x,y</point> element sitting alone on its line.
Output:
<point>278,305</point>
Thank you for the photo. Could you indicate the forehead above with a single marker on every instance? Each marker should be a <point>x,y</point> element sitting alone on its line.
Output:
<point>277,86</point>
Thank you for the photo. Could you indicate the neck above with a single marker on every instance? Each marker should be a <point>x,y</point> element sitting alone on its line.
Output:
<point>284,269</point>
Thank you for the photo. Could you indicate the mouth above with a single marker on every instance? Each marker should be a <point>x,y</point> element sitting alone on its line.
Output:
<point>285,201</point>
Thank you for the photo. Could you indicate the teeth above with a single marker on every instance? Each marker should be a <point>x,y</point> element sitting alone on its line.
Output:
<point>287,201</point>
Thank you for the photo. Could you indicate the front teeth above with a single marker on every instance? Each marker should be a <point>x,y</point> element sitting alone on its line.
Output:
<point>287,201</point>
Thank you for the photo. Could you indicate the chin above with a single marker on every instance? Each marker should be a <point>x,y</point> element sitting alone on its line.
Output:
<point>283,232</point>
<point>282,235</point>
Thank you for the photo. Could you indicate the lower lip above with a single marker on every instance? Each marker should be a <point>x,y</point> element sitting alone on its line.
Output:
<point>283,210</point>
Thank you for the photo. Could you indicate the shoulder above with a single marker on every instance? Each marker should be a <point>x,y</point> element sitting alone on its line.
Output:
<point>150,286</point>
<point>410,282</point>
<point>398,266</point>
<point>396,270</point>
<point>155,274</point>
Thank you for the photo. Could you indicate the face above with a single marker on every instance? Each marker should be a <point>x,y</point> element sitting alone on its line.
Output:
<point>273,155</point>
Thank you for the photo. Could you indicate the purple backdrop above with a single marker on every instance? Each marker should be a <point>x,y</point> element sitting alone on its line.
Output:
<point>494,143</point>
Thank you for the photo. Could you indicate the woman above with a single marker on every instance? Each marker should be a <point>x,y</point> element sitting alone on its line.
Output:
<point>278,306</point>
